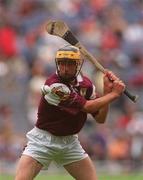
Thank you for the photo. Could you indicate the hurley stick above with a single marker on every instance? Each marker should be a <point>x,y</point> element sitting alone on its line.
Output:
<point>59,28</point>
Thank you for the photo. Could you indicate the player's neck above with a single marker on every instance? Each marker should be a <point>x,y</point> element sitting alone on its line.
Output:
<point>73,82</point>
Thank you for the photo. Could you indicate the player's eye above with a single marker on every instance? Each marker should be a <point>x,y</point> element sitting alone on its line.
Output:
<point>61,63</point>
<point>66,63</point>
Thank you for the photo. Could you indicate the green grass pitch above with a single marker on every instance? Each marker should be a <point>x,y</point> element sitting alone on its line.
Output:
<point>66,177</point>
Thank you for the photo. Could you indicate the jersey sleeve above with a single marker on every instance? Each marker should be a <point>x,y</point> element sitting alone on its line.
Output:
<point>60,95</point>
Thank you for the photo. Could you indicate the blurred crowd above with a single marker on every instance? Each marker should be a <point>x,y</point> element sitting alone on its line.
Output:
<point>112,30</point>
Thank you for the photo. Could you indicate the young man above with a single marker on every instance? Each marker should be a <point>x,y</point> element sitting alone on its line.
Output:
<point>67,97</point>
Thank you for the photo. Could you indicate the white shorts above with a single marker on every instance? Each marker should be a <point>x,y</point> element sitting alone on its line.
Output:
<point>45,148</point>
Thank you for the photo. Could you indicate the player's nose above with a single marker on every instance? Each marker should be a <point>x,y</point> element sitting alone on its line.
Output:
<point>67,67</point>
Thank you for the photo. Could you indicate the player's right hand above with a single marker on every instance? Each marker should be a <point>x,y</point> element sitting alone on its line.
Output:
<point>118,87</point>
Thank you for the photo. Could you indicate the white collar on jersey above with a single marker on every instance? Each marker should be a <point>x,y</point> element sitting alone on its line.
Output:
<point>79,78</point>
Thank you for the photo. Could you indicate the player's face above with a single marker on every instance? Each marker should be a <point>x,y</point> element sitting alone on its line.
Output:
<point>67,69</point>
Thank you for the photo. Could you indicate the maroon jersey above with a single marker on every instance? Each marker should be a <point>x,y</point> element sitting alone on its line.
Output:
<point>65,117</point>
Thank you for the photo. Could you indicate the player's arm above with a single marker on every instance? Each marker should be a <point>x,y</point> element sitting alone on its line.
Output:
<point>101,104</point>
<point>101,115</point>
<point>92,106</point>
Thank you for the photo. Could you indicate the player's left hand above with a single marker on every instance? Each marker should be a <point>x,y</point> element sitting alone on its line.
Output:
<point>55,93</point>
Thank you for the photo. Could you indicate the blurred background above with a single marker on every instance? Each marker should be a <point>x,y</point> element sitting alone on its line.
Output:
<point>112,30</point>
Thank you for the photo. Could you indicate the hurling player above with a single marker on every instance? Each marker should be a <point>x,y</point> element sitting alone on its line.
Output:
<point>67,97</point>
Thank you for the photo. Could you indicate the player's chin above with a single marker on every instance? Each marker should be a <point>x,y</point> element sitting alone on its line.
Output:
<point>68,76</point>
